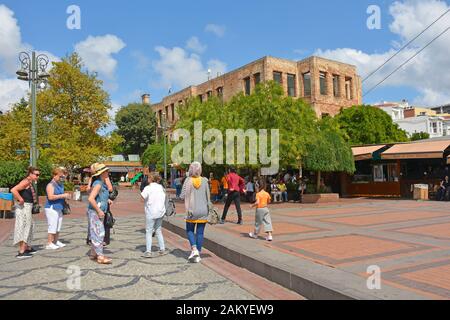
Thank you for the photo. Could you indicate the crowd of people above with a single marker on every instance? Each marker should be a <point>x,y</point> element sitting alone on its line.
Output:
<point>198,193</point>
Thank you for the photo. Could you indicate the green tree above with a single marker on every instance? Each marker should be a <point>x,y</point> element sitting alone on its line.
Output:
<point>12,172</point>
<point>137,125</point>
<point>328,151</point>
<point>266,108</point>
<point>369,125</point>
<point>420,136</point>
<point>70,113</point>
<point>154,155</point>
<point>15,132</point>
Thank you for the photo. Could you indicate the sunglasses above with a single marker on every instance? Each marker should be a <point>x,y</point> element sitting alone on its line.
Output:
<point>37,174</point>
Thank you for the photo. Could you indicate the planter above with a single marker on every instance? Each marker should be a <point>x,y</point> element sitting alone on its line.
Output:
<point>320,198</point>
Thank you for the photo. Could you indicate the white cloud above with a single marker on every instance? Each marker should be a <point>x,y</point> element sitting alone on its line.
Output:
<point>194,45</point>
<point>10,41</point>
<point>427,72</point>
<point>11,91</point>
<point>178,68</point>
<point>216,29</point>
<point>97,54</point>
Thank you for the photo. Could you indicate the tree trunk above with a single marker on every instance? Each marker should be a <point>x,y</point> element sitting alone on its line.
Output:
<point>318,182</point>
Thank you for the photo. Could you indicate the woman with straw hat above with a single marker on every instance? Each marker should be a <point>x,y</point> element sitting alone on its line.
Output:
<point>98,204</point>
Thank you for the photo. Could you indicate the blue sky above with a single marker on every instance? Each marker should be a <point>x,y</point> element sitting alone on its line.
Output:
<point>250,29</point>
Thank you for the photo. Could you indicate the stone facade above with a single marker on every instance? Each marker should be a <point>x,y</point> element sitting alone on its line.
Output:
<point>333,85</point>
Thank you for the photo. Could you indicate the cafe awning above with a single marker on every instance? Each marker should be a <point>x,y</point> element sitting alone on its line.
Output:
<point>420,150</point>
<point>121,169</point>
<point>365,153</point>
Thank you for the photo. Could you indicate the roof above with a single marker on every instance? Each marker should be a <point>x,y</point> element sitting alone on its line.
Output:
<point>420,150</point>
<point>364,153</point>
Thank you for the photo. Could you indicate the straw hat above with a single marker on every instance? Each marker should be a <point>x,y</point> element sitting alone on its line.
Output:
<point>98,169</point>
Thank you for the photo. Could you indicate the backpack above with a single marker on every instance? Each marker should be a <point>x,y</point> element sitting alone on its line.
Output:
<point>170,206</point>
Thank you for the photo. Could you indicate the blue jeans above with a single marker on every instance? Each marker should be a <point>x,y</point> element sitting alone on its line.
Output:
<point>178,189</point>
<point>154,224</point>
<point>195,239</point>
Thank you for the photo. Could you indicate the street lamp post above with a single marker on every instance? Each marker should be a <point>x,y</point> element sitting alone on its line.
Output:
<point>164,128</point>
<point>33,70</point>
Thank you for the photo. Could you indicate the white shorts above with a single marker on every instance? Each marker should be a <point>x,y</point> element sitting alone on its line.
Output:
<point>54,220</point>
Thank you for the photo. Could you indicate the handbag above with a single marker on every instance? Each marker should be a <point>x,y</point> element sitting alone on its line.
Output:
<point>110,221</point>
<point>66,208</point>
<point>36,208</point>
<point>213,216</point>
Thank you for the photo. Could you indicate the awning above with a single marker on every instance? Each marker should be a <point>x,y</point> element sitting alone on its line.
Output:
<point>121,169</point>
<point>365,153</point>
<point>420,150</point>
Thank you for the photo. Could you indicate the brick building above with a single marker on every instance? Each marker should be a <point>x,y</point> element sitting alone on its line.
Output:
<point>325,84</point>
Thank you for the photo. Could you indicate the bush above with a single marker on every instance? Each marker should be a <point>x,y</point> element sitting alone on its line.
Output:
<point>12,172</point>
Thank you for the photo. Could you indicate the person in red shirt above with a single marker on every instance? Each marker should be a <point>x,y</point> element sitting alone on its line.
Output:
<point>236,185</point>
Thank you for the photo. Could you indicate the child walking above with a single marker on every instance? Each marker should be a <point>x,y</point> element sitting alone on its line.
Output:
<point>154,197</point>
<point>262,214</point>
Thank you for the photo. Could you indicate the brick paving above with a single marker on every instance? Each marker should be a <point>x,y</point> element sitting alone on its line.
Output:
<point>332,245</point>
<point>336,243</point>
<point>130,276</point>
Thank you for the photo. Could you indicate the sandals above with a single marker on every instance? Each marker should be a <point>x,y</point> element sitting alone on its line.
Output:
<point>103,260</point>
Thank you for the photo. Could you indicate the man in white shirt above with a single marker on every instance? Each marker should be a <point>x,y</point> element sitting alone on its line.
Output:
<point>155,199</point>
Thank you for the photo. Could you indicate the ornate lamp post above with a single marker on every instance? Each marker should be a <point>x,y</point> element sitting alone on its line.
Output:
<point>33,70</point>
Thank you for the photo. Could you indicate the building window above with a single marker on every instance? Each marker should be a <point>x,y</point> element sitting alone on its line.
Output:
<point>277,77</point>
<point>348,88</point>
<point>219,91</point>
<point>434,127</point>
<point>247,86</point>
<point>291,85</point>
<point>160,117</point>
<point>336,92</point>
<point>307,84</point>
<point>200,97</point>
<point>323,83</point>
<point>167,113</point>
<point>209,94</point>
<point>172,111</point>
<point>257,78</point>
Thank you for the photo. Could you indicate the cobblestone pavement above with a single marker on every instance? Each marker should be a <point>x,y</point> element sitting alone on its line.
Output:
<point>51,274</point>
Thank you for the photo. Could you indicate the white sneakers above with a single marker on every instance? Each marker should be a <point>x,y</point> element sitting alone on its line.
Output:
<point>60,244</point>
<point>252,235</point>
<point>269,238</point>
<point>53,246</point>
<point>195,256</point>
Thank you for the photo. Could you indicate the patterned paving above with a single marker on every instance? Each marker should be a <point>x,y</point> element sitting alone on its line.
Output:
<point>48,275</point>
<point>408,240</point>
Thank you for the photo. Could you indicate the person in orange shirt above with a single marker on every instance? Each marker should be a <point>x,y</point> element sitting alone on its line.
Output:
<point>214,185</point>
<point>262,214</point>
<point>224,184</point>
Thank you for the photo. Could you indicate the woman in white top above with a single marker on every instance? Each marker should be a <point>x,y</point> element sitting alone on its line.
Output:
<point>155,200</point>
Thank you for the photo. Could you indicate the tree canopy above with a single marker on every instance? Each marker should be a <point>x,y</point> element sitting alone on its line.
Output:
<point>70,111</point>
<point>304,140</point>
<point>369,125</point>
<point>136,124</point>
